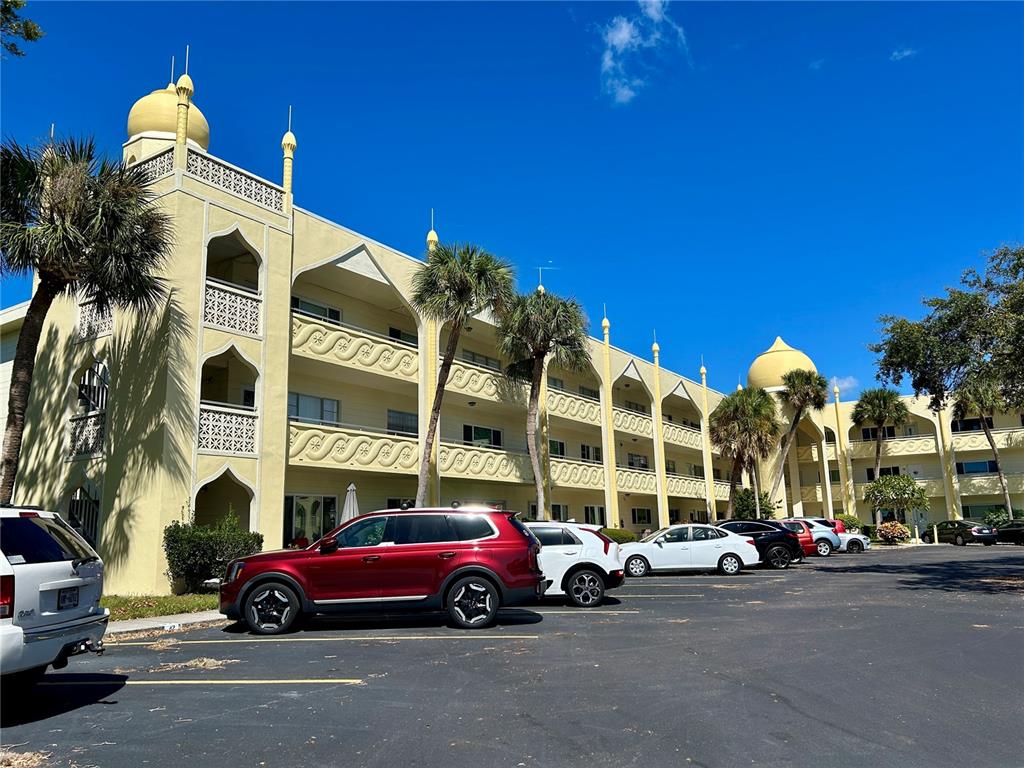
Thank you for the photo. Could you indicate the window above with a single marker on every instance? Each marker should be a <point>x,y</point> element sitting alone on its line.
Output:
<point>833,476</point>
<point>970,425</point>
<point>594,394</point>
<point>871,433</point>
<point>593,515</point>
<point>367,533</point>
<point>886,472</point>
<point>634,406</point>
<point>484,360</point>
<point>670,465</point>
<point>92,388</point>
<point>674,516</point>
<point>695,470</point>
<point>702,533</point>
<point>636,461</point>
<point>556,447</point>
<point>28,540</point>
<point>830,436</point>
<point>423,529</point>
<point>306,307</point>
<point>591,453</point>
<point>396,503</point>
<point>556,383</point>
<point>716,474</point>
<point>641,515</point>
<point>307,518</point>
<point>548,537</point>
<point>470,527</point>
<point>669,418</point>
<point>248,397</point>
<point>560,512</point>
<point>677,535</point>
<point>399,335</point>
<point>976,467</point>
<point>402,423</point>
<point>313,410</point>
<point>483,436</point>
<point>84,515</point>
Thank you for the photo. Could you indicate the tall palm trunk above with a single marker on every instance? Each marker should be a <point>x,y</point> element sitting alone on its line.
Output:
<point>435,413</point>
<point>531,435</point>
<point>999,467</point>
<point>734,480</point>
<point>757,490</point>
<point>21,380</point>
<point>878,463</point>
<point>786,443</point>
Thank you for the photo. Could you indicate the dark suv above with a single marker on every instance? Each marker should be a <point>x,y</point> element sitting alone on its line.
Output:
<point>468,561</point>
<point>777,546</point>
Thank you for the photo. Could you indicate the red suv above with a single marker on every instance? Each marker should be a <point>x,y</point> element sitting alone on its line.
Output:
<point>468,561</point>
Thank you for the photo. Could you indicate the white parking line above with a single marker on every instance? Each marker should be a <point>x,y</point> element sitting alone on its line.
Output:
<point>332,639</point>
<point>585,612</point>
<point>664,595</point>
<point>300,681</point>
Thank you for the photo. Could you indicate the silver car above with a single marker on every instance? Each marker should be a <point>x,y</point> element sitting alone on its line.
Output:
<point>826,540</point>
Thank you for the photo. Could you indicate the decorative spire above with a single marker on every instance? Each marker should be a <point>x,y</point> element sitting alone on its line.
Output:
<point>288,145</point>
<point>605,325</point>
<point>432,239</point>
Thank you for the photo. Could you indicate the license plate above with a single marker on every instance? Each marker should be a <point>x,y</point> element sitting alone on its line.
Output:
<point>67,598</point>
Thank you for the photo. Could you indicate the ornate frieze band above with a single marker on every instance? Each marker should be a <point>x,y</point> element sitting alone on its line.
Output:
<point>635,423</point>
<point>481,463</point>
<point>350,347</point>
<point>352,449</point>
<point>685,436</point>
<point>576,474</point>
<point>570,406</point>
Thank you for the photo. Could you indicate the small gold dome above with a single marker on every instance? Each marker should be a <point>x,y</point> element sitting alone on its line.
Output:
<point>655,348</point>
<point>158,111</point>
<point>185,83</point>
<point>288,141</point>
<point>767,369</point>
<point>431,236</point>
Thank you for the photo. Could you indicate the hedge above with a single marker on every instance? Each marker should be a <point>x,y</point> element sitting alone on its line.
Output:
<point>196,553</point>
<point>620,535</point>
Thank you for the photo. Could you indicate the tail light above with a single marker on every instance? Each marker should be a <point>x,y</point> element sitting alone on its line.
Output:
<point>6,596</point>
<point>604,540</point>
<point>750,542</point>
<point>976,529</point>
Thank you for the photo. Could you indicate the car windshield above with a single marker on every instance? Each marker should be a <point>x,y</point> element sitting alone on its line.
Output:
<point>651,537</point>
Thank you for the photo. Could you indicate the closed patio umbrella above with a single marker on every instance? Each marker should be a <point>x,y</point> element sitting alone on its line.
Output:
<point>351,509</point>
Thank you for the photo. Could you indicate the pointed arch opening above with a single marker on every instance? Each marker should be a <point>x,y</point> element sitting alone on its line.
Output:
<point>222,497</point>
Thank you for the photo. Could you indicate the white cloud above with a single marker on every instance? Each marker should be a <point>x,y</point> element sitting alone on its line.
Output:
<point>902,53</point>
<point>629,40</point>
<point>816,64</point>
<point>845,383</point>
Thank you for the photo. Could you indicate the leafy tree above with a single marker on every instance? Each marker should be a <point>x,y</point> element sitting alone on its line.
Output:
<point>85,226</point>
<point>805,391</point>
<point>896,493</point>
<point>981,398</point>
<point>744,427</point>
<point>996,516</point>
<point>749,507</point>
<point>13,26</point>
<point>879,407</point>
<point>455,283</point>
<point>975,331</point>
<point>533,329</point>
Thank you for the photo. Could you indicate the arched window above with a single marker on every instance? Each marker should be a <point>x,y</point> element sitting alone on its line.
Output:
<point>92,388</point>
<point>84,513</point>
<point>87,427</point>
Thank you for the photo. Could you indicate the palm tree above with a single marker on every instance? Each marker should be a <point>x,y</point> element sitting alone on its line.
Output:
<point>85,225</point>
<point>534,328</point>
<point>880,407</point>
<point>805,390</point>
<point>744,427</point>
<point>982,398</point>
<point>455,283</point>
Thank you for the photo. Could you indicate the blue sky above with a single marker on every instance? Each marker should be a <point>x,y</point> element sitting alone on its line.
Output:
<point>721,173</point>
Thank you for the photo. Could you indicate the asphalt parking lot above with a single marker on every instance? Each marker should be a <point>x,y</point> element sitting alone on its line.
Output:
<point>910,658</point>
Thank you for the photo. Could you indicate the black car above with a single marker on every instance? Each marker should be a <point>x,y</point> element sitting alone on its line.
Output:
<point>1012,532</point>
<point>961,533</point>
<point>777,546</point>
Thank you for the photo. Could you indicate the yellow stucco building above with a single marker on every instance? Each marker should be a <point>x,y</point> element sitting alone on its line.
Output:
<point>287,363</point>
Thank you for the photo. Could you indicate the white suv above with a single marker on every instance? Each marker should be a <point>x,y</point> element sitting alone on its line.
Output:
<point>578,561</point>
<point>51,581</point>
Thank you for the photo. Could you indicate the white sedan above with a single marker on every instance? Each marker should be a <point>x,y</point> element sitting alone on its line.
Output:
<point>853,542</point>
<point>689,547</point>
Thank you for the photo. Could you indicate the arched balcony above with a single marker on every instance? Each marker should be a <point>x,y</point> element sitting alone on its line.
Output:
<point>87,427</point>
<point>227,409</point>
<point>232,298</point>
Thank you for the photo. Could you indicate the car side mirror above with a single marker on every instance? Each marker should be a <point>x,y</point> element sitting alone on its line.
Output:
<point>328,545</point>
<point>660,540</point>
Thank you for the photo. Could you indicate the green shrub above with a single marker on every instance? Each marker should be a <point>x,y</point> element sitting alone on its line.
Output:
<point>744,506</point>
<point>893,532</point>
<point>852,522</point>
<point>996,516</point>
<point>619,535</point>
<point>869,530</point>
<point>196,553</point>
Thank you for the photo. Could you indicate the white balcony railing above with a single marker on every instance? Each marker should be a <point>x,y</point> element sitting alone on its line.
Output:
<point>86,433</point>
<point>234,180</point>
<point>227,429</point>
<point>232,308</point>
<point>94,322</point>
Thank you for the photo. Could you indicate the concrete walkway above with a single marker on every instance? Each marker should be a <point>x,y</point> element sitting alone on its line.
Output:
<point>163,622</point>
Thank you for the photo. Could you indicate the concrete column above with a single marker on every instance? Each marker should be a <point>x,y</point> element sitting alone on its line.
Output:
<point>659,442</point>
<point>429,340</point>
<point>544,435</point>
<point>794,482</point>
<point>826,480</point>
<point>611,485</point>
<point>843,459</point>
<point>709,471</point>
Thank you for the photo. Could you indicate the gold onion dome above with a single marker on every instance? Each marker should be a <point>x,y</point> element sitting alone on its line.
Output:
<point>767,369</point>
<point>158,111</point>
<point>288,141</point>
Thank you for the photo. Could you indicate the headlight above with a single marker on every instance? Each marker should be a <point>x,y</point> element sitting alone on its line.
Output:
<point>234,569</point>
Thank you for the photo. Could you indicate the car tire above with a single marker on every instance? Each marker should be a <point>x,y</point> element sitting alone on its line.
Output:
<point>960,541</point>
<point>473,603</point>
<point>637,566</point>
<point>730,565</point>
<point>585,589</point>
<point>854,547</point>
<point>823,547</point>
<point>777,558</point>
<point>271,608</point>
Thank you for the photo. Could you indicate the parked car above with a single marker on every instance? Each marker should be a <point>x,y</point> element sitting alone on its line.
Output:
<point>961,533</point>
<point>835,525</point>
<point>824,539</point>
<point>51,582</point>
<point>1012,532</point>
<point>853,543</point>
<point>578,561</point>
<point>690,547</point>
<point>468,561</point>
<point>777,545</point>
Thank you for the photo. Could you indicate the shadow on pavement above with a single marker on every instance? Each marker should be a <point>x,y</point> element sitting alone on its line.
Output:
<point>57,694</point>
<point>507,617</point>
<point>995,576</point>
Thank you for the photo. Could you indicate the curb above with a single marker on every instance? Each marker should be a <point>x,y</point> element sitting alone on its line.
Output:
<point>167,623</point>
